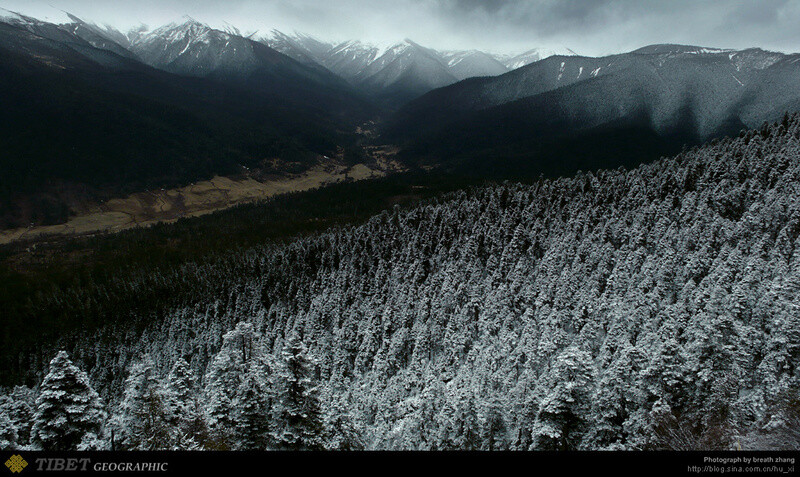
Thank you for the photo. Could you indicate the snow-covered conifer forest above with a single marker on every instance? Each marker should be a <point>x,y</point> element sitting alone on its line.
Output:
<point>652,308</point>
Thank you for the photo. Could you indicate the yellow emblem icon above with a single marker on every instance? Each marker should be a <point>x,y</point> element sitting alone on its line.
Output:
<point>16,463</point>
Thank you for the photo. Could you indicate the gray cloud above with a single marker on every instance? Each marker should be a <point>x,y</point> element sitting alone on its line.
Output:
<point>591,27</point>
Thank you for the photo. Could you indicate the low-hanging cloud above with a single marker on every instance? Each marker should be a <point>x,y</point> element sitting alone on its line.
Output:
<point>592,27</point>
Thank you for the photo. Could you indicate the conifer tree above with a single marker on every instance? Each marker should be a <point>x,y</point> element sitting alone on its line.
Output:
<point>144,421</point>
<point>342,431</point>
<point>69,413</point>
<point>253,409</point>
<point>563,412</point>
<point>224,377</point>
<point>299,413</point>
<point>8,432</point>
<point>22,401</point>
<point>184,406</point>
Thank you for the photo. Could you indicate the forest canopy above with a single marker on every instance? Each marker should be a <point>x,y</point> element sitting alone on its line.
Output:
<point>652,308</point>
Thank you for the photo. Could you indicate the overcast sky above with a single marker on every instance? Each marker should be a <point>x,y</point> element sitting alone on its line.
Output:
<point>589,27</point>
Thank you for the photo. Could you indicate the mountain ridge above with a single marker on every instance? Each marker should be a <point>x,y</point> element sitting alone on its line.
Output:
<point>85,121</point>
<point>398,72</point>
<point>691,94</point>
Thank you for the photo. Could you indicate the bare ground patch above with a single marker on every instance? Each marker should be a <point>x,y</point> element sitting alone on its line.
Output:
<point>150,207</point>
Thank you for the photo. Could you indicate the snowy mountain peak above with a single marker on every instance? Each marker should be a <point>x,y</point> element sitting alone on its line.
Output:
<point>671,49</point>
<point>13,17</point>
<point>189,29</point>
<point>103,37</point>
<point>402,47</point>
<point>403,65</point>
<point>277,35</point>
<point>533,55</point>
<point>299,46</point>
<point>54,16</point>
<point>350,45</point>
<point>191,47</point>
<point>194,48</point>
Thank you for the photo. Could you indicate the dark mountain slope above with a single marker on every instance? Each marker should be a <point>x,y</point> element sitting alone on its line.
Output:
<point>75,116</point>
<point>194,49</point>
<point>677,94</point>
<point>48,30</point>
<point>103,38</point>
<point>719,78</point>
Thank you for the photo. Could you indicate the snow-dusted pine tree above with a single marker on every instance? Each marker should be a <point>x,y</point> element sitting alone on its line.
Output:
<point>143,421</point>
<point>223,382</point>
<point>563,412</point>
<point>253,412</point>
<point>69,413</point>
<point>342,433</point>
<point>299,413</point>
<point>20,406</point>
<point>8,432</point>
<point>185,410</point>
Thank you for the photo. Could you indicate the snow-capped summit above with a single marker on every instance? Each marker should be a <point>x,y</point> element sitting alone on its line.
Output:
<point>102,45</point>
<point>301,47</point>
<point>45,29</point>
<point>7,16</point>
<point>105,37</point>
<point>51,16</point>
<point>350,58</point>
<point>402,69</point>
<point>513,62</point>
<point>192,48</point>
<point>401,56</point>
<point>195,49</point>
<point>402,72</point>
<point>468,64</point>
<point>394,72</point>
<point>424,69</point>
<point>187,32</point>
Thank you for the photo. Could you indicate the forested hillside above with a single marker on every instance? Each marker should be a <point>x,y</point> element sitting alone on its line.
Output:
<point>79,123</point>
<point>649,308</point>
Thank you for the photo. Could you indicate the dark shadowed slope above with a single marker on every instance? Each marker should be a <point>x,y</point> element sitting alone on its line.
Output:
<point>194,49</point>
<point>76,116</point>
<point>670,93</point>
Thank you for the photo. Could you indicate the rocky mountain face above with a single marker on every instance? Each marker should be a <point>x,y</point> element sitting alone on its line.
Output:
<point>192,48</point>
<point>514,61</point>
<point>104,38</point>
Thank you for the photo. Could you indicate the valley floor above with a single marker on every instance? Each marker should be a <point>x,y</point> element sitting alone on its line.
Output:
<point>151,207</point>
